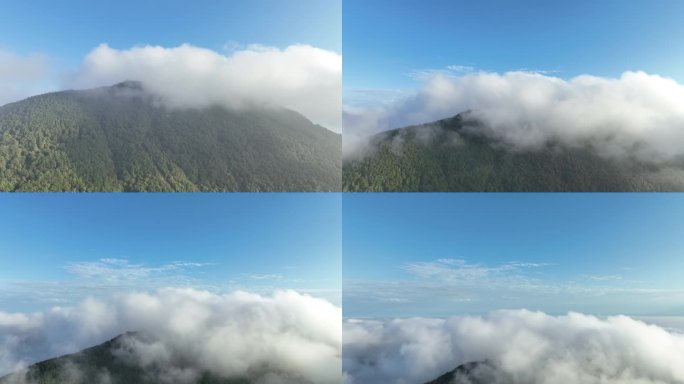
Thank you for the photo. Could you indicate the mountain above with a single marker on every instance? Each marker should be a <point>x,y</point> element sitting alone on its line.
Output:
<point>102,364</point>
<point>470,373</point>
<point>455,155</point>
<point>122,138</point>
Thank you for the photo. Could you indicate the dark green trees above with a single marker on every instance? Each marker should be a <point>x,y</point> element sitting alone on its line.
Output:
<point>121,139</point>
<point>447,156</point>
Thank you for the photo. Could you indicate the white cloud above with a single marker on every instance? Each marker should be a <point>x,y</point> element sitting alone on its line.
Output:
<point>33,294</point>
<point>268,276</point>
<point>296,337</point>
<point>430,287</point>
<point>526,347</point>
<point>637,114</point>
<point>109,276</point>
<point>603,277</point>
<point>21,76</point>
<point>300,77</point>
<point>449,70</point>
<point>114,261</point>
<point>459,270</point>
<point>460,68</point>
<point>121,272</point>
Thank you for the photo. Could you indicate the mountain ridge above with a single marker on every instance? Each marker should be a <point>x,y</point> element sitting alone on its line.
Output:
<point>456,155</point>
<point>102,363</point>
<point>476,372</point>
<point>122,138</point>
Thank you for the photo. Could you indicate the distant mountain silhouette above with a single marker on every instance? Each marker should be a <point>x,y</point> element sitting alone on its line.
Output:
<point>482,372</point>
<point>101,364</point>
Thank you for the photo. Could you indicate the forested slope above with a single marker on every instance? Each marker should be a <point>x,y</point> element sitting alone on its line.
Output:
<point>451,155</point>
<point>120,138</point>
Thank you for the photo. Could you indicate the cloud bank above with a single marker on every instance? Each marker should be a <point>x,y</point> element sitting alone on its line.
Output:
<point>636,115</point>
<point>284,338</point>
<point>300,77</point>
<point>526,347</point>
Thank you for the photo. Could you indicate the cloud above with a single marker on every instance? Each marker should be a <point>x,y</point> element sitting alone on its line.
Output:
<point>110,276</point>
<point>103,278</point>
<point>459,270</point>
<point>449,70</point>
<point>365,97</point>
<point>21,76</point>
<point>268,276</point>
<point>432,287</point>
<point>300,77</point>
<point>120,270</point>
<point>603,277</point>
<point>525,347</point>
<point>284,338</point>
<point>637,115</point>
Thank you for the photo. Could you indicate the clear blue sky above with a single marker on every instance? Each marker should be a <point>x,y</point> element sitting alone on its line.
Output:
<point>445,254</point>
<point>385,41</point>
<point>69,29</point>
<point>55,249</point>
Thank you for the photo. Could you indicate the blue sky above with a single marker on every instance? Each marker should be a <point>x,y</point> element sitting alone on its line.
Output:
<point>387,43</point>
<point>68,30</point>
<point>56,249</point>
<point>449,254</point>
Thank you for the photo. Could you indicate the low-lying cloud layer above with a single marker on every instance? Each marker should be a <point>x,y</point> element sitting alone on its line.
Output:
<point>283,338</point>
<point>638,114</point>
<point>526,347</point>
<point>300,77</point>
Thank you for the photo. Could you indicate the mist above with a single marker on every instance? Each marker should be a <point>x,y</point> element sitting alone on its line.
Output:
<point>525,347</point>
<point>637,115</point>
<point>284,338</point>
<point>299,77</point>
<point>22,75</point>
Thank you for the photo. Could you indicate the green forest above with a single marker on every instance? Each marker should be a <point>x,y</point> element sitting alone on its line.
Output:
<point>120,138</point>
<point>444,156</point>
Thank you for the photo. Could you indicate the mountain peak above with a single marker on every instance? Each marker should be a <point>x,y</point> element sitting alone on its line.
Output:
<point>105,361</point>
<point>129,84</point>
<point>476,372</point>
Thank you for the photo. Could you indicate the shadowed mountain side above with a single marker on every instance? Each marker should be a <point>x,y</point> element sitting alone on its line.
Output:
<point>470,373</point>
<point>453,155</point>
<point>121,138</point>
<point>105,364</point>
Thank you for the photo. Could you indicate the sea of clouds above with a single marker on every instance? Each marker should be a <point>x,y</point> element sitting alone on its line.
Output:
<point>525,347</point>
<point>287,337</point>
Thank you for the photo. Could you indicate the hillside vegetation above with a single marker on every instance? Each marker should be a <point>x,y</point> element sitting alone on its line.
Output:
<point>451,155</point>
<point>121,138</point>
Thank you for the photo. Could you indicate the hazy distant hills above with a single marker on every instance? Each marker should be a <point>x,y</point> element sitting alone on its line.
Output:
<point>470,373</point>
<point>453,155</point>
<point>102,364</point>
<point>121,138</point>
